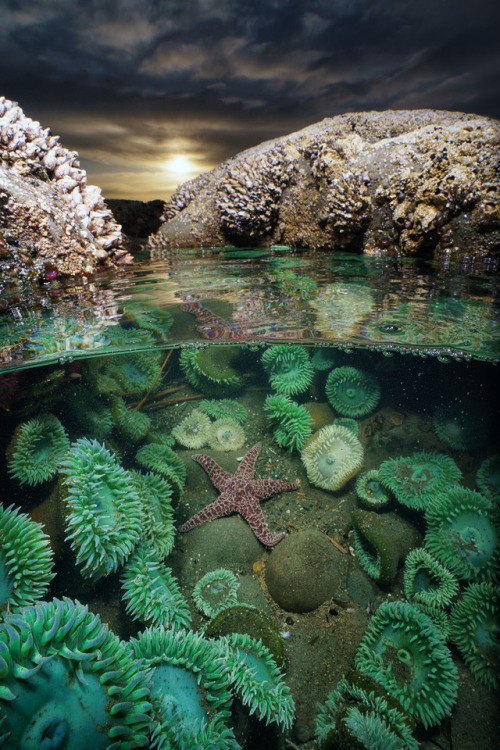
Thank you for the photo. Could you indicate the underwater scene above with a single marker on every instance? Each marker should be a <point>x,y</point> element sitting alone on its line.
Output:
<point>250,499</point>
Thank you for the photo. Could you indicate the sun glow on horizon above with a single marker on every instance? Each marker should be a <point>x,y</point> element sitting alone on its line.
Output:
<point>180,166</point>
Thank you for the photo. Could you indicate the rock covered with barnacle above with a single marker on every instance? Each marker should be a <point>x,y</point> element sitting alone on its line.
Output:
<point>51,220</point>
<point>405,182</point>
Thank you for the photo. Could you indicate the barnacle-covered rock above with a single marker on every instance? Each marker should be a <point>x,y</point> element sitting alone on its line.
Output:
<point>423,180</point>
<point>46,206</point>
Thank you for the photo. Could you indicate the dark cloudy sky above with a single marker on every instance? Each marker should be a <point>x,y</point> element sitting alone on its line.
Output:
<point>143,89</point>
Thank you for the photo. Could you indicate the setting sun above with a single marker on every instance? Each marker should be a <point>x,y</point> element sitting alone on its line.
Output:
<point>180,165</point>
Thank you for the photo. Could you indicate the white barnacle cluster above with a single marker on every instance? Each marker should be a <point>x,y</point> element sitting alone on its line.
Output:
<point>248,194</point>
<point>348,206</point>
<point>31,150</point>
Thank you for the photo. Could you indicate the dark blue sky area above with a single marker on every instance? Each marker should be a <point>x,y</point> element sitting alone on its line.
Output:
<point>133,84</point>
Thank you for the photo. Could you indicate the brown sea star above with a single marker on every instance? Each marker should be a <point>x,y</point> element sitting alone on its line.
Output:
<point>240,493</point>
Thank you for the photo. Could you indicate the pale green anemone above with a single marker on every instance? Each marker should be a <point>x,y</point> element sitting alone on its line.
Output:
<point>475,629</point>
<point>36,449</point>
<point>457,428</point>
<point>463,532</point>
<point>157,517</point>
<point>291,422</point>
<point>256,679</point>
<point>67,681</point>
<point>226,435</point>
<point>332,456</point>
<point>216,591</point>
<point>130,423</point>
<point>352,392</point>
<point>488,478</point>
<point>359,713</point>
<point>417,480</point>
<point>405,653</point>
<point>161,459</point>
<point>190,694</point>
<point>224,407</point>
<point>152,593</point>
<point>25,559</point>
<point>371,491</point>
<point>211,369</point>
<point>428,582</point>
<point>192,432</point>
<point>102,508</point>
<point>289,368</point>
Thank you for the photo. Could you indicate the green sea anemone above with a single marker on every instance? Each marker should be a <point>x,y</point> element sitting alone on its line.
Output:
<point>428,582</point>
<point>226,435</point>
<point>192,431</point>
<point>332,456</point>
<point>257,680</point>
<point>216,591</point>
<point>102,508</point>
<point>463,532</point>
<point>475,629</point>
<point>224,407</point>
<point>352,392</point>
<point>66,681</point>
<point>90,413</point>
<point>211,369</point>
<point>404,652</point>
<point>157,518</point>
<point>159,458</point>
<point>457,428</point>
<point>289,368</point>
<point>134,372</point>
<point>36,449</point>
<point>359,713</point>
<point>323,358</point>
<point>131,423</point>
<point>371,491</point>
<point>25,559</point>
<point>151,592</point>
<point>488,478</point>
<point>189,690</point>
<point>417,480</point>
<point>292,422</point>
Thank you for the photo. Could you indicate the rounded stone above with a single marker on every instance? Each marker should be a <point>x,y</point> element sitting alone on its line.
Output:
<point>304,570</point>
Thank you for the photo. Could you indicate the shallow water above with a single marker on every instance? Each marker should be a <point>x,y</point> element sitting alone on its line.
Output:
<point>125,360</point>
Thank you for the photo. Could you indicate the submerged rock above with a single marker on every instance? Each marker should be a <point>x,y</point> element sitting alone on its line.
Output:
<point>417,182</point>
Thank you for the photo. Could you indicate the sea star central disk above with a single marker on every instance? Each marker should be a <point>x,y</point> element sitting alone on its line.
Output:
<point>240,493</point>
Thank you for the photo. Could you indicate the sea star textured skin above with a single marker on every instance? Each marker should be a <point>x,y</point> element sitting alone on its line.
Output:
<point>240,493</point>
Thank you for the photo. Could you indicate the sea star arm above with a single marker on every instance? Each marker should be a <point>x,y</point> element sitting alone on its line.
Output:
<point>222,506</point>
<point>246,469</point>
<point>264,488</point>
<point>254,516</point>
<point>216,473</point>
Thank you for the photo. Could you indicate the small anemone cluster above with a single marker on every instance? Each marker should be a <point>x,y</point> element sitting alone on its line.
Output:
<point>25,559</point>
<point>224,433</point>
<point>36,449</point>
<point>332,456</point>
<point>405,653</point>
<point>192,431</point>
<point>458,428</point>
<point>105,700</point>
<point>463,533</point>
<point>417,480</point>
<point>291,422</point>
<point>359,713</point>
<point>102,508</point>
<point>352,392</point>
<point>32,151</point>
<point>289,368</point>
<point>211,369</point>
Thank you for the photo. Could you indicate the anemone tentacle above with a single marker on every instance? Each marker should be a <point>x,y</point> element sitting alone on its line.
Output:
<point>289,368</point>
<point>352,392</point>
<point>332,456</point>
<point>417,479</point>
<point>215,591</point>
<point>36,449</point>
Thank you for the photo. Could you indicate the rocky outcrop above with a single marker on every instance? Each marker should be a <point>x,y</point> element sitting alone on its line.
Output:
<point>421,182</point>
<point>138,219</point>
<point>51,220</point>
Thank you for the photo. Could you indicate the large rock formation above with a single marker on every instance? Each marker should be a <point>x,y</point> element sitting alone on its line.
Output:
<point>418,182</point>
<point>51,220</point>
